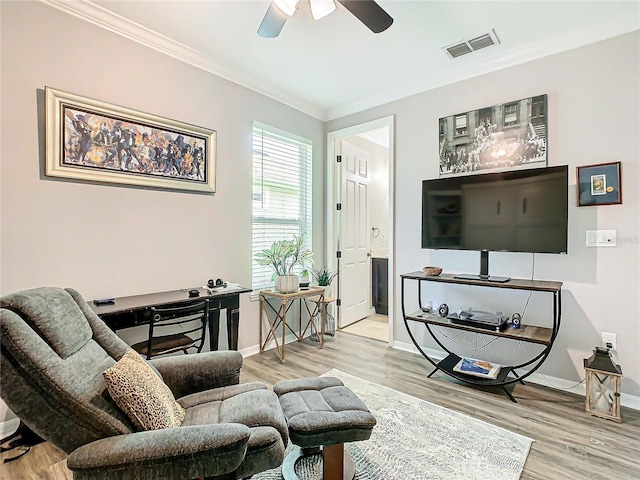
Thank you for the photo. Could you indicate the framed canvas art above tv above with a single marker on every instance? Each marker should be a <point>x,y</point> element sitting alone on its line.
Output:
<point>92,140</point>
<point>509,136</point>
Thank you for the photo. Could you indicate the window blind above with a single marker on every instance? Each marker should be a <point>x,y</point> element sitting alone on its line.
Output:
<point>281,193</point>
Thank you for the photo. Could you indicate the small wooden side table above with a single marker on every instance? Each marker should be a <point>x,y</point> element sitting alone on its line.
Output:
<point>280,318</point>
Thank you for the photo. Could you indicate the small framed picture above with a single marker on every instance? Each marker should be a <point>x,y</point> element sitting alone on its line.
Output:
<point>599,184</point>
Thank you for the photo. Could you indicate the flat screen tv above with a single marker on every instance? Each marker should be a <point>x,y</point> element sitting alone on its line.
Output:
<point>515,211</point>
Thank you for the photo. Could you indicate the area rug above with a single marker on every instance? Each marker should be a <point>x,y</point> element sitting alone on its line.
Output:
<point>418,440</point>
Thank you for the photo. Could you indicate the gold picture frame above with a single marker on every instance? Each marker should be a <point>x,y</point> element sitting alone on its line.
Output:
<point>91,140</point>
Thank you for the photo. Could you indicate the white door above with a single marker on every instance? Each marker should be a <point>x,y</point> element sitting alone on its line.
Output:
<point>354,239</point>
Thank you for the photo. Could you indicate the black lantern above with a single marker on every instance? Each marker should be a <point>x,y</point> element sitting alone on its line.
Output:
<point>603,385</point>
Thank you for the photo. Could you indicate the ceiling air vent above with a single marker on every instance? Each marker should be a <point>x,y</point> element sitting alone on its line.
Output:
<point>482,41</point>
<point>476,43</point>
<point>459,49</point>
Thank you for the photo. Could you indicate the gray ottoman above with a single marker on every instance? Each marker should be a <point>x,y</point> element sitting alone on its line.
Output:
<point>323,414</point>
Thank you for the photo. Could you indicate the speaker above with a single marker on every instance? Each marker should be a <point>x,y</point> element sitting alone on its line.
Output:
<point>218,282</point>
<point>443,310</point>
<point>516,319</point>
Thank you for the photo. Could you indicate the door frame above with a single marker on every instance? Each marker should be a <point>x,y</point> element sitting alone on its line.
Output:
<point>333,195</point>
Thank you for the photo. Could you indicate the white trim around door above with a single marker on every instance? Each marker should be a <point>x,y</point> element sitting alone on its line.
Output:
<point>333,197</point>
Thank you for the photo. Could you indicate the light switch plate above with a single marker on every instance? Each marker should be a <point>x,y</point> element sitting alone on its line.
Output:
<point>601,238</point>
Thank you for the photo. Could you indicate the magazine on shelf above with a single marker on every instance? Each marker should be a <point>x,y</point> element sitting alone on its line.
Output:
<point>478,368</point>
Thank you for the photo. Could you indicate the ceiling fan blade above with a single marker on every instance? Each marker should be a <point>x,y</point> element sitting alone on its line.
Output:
<point>272,22</point>
<point>369,13</point>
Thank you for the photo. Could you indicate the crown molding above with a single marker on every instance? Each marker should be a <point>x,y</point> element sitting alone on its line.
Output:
<point>103,18</point>
<point>493,60</point>
<point>485,62</point>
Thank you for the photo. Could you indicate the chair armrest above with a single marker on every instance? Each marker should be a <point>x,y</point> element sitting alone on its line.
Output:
<point>183,452</point>
<point>187,374</point>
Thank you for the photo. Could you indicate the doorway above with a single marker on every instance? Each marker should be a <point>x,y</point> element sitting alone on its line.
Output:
<point>360,226</point>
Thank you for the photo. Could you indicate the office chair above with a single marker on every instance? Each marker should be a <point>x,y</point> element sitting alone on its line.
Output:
<point>164,323</point>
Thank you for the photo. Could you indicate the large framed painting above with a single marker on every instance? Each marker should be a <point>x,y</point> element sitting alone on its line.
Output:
<point>88,139</point>
<point>508,136</point>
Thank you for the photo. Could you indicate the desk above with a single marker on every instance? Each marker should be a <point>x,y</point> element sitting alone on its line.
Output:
<point>280,318</point>
<point>133,311</point>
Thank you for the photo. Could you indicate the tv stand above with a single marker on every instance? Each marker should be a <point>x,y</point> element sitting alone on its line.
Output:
<point>542,336</point>
<point>486,278</point>
<point>484,271</point>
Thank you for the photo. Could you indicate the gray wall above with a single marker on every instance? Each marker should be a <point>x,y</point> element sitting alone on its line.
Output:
<point>594,112</point>
<point>109,241</point>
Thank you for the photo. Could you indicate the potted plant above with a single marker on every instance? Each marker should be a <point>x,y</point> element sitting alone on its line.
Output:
<point>284,256</point>
<point>303,278</point>
<point>323,276</point>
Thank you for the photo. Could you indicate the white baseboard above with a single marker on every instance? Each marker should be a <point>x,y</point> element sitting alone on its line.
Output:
<point>8,427</point>
<point>249,351</point>
<point>626,400</point>
<point>253,349</point>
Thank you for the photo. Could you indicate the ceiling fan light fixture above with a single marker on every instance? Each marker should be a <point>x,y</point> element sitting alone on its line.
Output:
<point>322,8</point>
<point>287,7</point>
<point>368,12</point>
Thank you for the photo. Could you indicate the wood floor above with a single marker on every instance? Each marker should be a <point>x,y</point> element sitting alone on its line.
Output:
<point>374,326</point>
<point>568,443</point>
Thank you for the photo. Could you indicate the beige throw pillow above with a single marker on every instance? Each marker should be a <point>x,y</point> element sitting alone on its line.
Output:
<point>141,394</point>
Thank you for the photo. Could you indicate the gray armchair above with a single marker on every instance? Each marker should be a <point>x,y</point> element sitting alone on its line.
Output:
<point>54,350</point>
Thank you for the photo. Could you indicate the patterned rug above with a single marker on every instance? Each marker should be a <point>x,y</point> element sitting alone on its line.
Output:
<point>418,440</point>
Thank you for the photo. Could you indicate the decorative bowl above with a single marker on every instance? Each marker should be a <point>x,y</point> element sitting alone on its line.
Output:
<point>432,271</point>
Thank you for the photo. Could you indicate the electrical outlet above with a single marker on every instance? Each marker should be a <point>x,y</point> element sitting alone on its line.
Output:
<point>609,338</point>
<point>601,238</point>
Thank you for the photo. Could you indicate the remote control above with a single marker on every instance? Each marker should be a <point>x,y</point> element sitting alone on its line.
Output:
<point>104,301</point>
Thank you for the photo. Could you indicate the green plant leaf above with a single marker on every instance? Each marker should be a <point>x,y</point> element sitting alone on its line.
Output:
<point>284,255</point>
<point>323,275</point>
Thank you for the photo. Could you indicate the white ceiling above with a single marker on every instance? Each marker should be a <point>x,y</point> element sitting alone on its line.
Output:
<point>336,66</point>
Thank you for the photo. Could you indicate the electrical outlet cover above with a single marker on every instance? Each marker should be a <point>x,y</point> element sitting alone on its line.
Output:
<point>609,338</point>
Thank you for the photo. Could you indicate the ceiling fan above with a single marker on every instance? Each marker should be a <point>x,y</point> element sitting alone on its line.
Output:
<point>367,11</point>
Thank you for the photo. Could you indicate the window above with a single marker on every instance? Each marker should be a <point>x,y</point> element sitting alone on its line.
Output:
<point>538,108</point>
<point>461,124</point>
<point>281,193</point>
<point>510,114</point>
<point>485,117</point>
